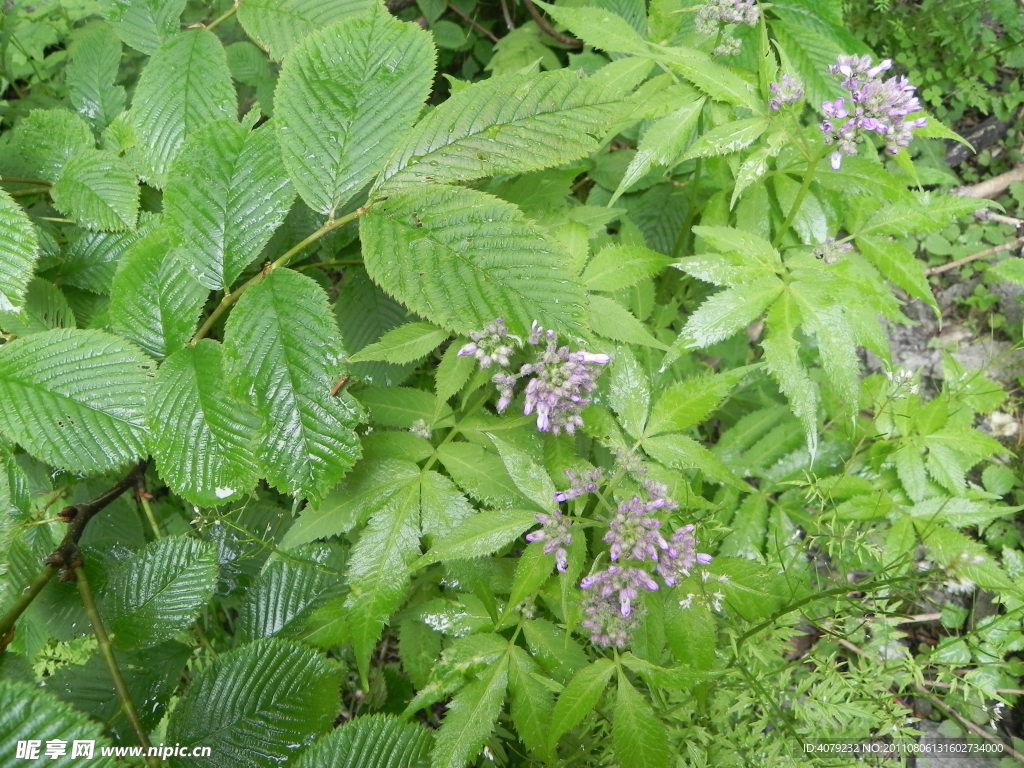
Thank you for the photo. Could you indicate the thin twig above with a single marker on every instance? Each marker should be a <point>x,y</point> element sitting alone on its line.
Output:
<point>1007,246</point>
<point>11,617</point>
<point>509,24</point>
<point>988,215</point>
<point>144,496</point>
<point>547,29</point>
<point>107,652</point>
<point>950,686</point>
<point>224,16</point>
<point>992,188</point>
<point>473,23</point>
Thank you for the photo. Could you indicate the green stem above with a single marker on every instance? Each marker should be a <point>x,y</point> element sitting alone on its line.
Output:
<point>231,298</point>
<point>150,517</point>
<point>224,16</point>
<point>805,187</point>
<point>107,651</point>
<point>23,180</point>
<point>11,617</point>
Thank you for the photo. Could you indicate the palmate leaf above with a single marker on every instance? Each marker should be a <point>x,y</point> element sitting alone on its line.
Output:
<point>160,591</point>
<point>283,353</point>
<point>509,124</point>
<point>371,741</point>
<point>346,96</point>
<point>144,24</point>
<point>255,707</point>
<point>279,25</point>
<point>74,398</point>
<point>19,248</point>
<point>94,58</point>
<point>226,194</point>
<point>184,86</point>
<point>98,190</point>
<point>461,258</point>
<point>154,301</point>
<point>202,437</point>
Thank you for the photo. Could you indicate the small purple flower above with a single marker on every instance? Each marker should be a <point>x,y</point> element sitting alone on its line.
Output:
<point>633,532</point>
<point>493,344</point>
<point>715,17</point>
<point>580,484</point>
<point>608,605</point>
<point>787,91</point>
<point>557,532</point>
<point>681,556</point>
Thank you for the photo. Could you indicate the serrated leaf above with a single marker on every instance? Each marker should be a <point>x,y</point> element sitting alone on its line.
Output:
<point>479,473</point>
<point>480,534</point>
<point>782,357</point>
<point>925,212</point>
<point>728,138</point>
<point>19,248</point>
<point>342,107</point>
<point>279,25</point>
<point>98,190</point>
<point>580,697</point>
<point>683,452</point>
<point>461,258</point>
<point>836,344</point>
<point>378,569</point>
<point>529,476</point>
<point>256,706</point>
<point>203,437</point>
<point>608,318</point>
<point>531,702</point>
<point>507,124</point>
<point>403,344</point>
<point>153,300</point>
<point>278,599</point>
<point>728,312</point>
<point>452,373</point>
<point>898,265</point>
<point>225,196</point>
<point>620,266</point>
<point>371,741</point>
<point>688,402</point>
<point>600,28</point>
<point>144,24</point>
<point>717,81</point>
<point>638,736</point>
<point>48,138</point>
<point>629,392</point>
<point>185,86</point>
<point>442,506</point>
<point>741,242</point>
<point>45,308</point>
<point>94,58</point>
<point>282,351</point>
<point>551,646</point>
<point>401,407</point>
<point>91,258</point>
<point>470,718</point>
<point>75,399</point>
<point>160,591</point>
<point>533,568</point>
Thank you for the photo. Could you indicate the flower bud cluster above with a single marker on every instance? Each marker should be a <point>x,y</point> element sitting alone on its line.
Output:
<point>876,106</point>
<point>556,528</point>
<point>717,16</point>
<point>787,91</point>
<point>832,251</point>
<point>560,381</point>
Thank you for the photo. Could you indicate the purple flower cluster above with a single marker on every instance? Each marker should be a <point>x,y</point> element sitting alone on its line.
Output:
<point>580,484</point>
<point>560,381</point>
<point>787,91</point>
<point>716,16</point>
<point>556,530</point>
<point>876,106</point>
<point>609,613</point>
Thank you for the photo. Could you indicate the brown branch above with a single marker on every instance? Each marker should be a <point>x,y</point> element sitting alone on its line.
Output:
<point>473,22</point>
<point>1008,246</point>
<point>547,29</point>
<point>992,188</point>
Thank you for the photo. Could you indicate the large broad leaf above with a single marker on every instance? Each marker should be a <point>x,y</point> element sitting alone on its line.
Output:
<point>160,591</point>
<point>75,399</point>
<point>46,308</point>
<point>184,86</point>
<point>144,24</point>
<point>345,98</point>
<point>638,736</point>
<point>91,258</point>
<point>509,124</point>
<point>99,191</point>
<point>470,718</point>
<point>18,250</point>
<point>379,567</point>
<point>371,741</point>
<point>203,437</point>
<point>226,194</point>
<point>283,352</point>
<point>461,258</point>
<point>27,711</point>
<point>154,301</point>
<point>257,706</point>
<point>279,25</point>
<point>94,58</point>
<point>48,138</point>
<point>281,597</point>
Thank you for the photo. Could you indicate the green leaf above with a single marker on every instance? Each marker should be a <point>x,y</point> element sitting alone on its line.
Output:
<point>342,107</point>
<point>153,300</point>
<point>279,25</point>
<point>608,318</point>
<point>599,27</point>
<point>75,399</point>
<point>738,241</point>
<point>782,356</point>
<point>225,196</point>
<point>717,81</point>
<point>638,736</point>
<point>185,86</point>
<point>533,568</point>
<point>727,312</point>
<point>403,344</point>
<point>689,402</point>
<point>480,534</point>
<point>144,24</point>
<point>280,597</point>
<point>160,591</point>
<point>19,248</point>
<point>629,393</point>
<point>442,505</point>
<point>683,452</point>
<point>202,437</point>
<point>927,211</point>
<point>254,707</point>
<point>480,474</point>
<point>580,697</point>
<point>1008,271</point>
<point>401,407</point>
<point>898,265</point>
<point>728,138</point>
<point>371,741</point>
<point>508,124</point>
<point>620,266</point>
<point>531,701</point>
<point>530,478</point>
<point>48,138</point>
<point>46,308</point>
<point>461,258</point>
<point>282,350</point>
<point>470,718</point>
<point>367,487</point>
<point>29,711</point>
<point>98,190</point>
<point>92,258</point>
<point>378,569</point>
<point>452,373</point>
<point>94,58</point>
